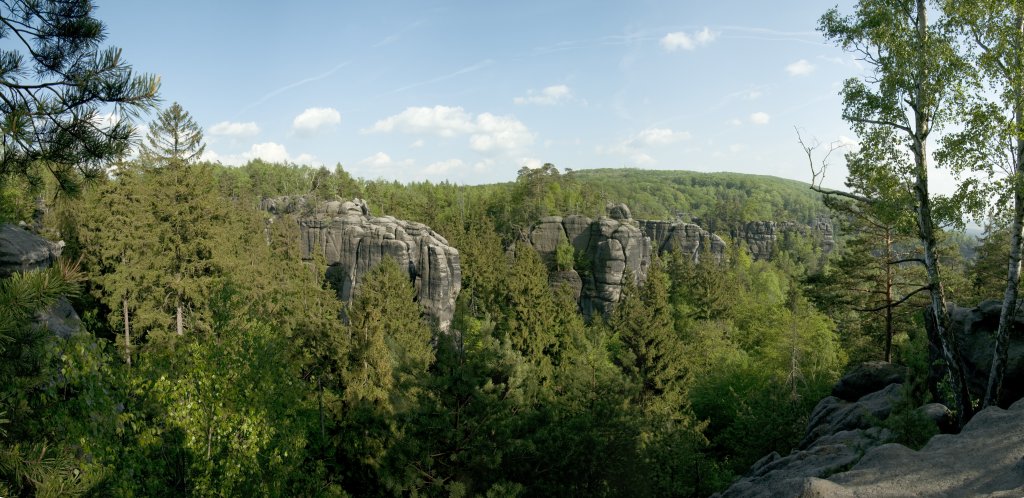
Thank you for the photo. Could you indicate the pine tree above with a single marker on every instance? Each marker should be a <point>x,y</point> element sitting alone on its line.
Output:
<point>54,88</point>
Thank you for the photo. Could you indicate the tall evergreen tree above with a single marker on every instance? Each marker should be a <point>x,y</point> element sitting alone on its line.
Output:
<point>186,208</point>
<point>384,377</point>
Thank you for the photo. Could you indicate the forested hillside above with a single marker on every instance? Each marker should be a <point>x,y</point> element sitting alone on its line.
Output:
<point>172,326</point>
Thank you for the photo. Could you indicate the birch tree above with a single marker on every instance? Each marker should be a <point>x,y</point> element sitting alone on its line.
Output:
<point>914,74</point>
<point>992,140</point>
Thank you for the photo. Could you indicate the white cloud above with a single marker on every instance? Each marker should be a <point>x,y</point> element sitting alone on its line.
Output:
<point>683,41</point>
<point>705,36</point>
<point>268,151</point>
<point>442,167</point>
<point>487,131</point>
<point>658,136</point>
<point>531,162</point>
<point>483,165</point>
<point>378,160</point>
<point>438,120</point>
<point>382,160</point>
<point>315,119</point>
<point>850,143</point>
<point>634,146</point>
<point>499,132</point>
<point>678,40</point>
<point>417,144</point>
<point>753,95</point>
<point>641,159</point>
<point>760,118</point>
<point>548,96</point>
<point>235,130</point>
<point>800,68</point>
<point>735,122</point>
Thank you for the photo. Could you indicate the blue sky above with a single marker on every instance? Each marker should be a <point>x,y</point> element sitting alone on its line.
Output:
<point>471,91</point>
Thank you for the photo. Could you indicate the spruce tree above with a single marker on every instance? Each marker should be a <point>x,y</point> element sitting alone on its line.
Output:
<point>187,211</point>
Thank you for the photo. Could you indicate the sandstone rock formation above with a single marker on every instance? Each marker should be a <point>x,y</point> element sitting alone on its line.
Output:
<point>352,242</point>
<point>975,328</point>
<point>839,431</point>
<point>611,249</point>
<point>985,459</point>
<point>611,244</point>
<point>762,236</point>
<point>684,237</point>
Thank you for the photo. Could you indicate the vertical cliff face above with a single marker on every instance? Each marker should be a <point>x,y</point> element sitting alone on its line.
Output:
<point>352,242</point>
<point>762,236</point>
<point>686,238</point>
<point>609,249</point>
<point>615,245</point>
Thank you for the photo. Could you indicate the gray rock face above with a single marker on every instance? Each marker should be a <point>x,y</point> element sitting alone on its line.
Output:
<point>867,378</point>
<point>975,328</point>
<point>22,250</point>
<point>833,415</point>
<point>683,237</point>
<point>779,476</point>
<point>618,211</point>
<point>613,248</point>
<point>761,236</point>
<point>985,459</point>
<point>352,242</point>
<point>615,243</point>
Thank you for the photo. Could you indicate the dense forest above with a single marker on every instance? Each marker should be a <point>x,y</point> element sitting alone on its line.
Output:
<point>213,360</point>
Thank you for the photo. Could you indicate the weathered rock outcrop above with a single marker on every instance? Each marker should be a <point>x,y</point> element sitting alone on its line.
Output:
<point>352,242</point>
<point>611,249</point>
<point>684,237</point>
<point>762,236</point>
<point>975,328</point>
<point>839,432</point>
<point>22,250</point>
<point>985,459</point>
<point>614,243</point>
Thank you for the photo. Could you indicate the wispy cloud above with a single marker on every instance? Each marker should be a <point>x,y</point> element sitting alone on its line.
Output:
<point>680,40</point>
<point>466,70</point>
<point>551,95</point>
<point>800,68</point>
<point>294,85</point>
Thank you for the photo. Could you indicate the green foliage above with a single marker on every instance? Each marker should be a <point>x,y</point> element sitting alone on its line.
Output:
<point>565,256</point>
<point>234,397</point>
<point>174,137</point>
<point>56,80</point>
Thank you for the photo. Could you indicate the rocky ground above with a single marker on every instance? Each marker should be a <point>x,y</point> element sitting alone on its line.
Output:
<point>846,454</point>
